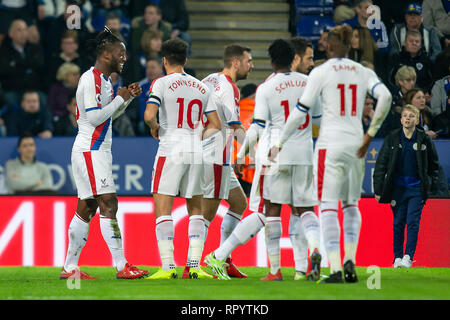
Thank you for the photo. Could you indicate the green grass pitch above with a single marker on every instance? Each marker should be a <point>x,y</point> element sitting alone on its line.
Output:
<point>42,283</point>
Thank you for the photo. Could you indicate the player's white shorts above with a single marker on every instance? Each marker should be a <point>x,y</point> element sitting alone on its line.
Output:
<point>92,172</point>
<point>338,174</point>
<point>177,175</point>
<point>256,201</point>
<point>291,184</point>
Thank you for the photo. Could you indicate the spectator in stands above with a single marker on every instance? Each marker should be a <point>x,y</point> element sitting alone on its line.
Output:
<point>69,54</point>
<point>378,30</point>
<point>30,118</point>
<point>152,20</point>
<point>430,41</point>
<point>441,66</point>
<point>151,42</point>
<point>436,13</point>
<point>56,28</point>
<point>416,97</point>
<point>405,176</point>
<point>28,10</point>
<point>320,51</point>
<point>21,64</point>
<point>104,7</point>
<point>413,55</point>
<point>175,12</point>
<point>392,12</point>
<point>343,11</point>
<point>60,92</point>
<point>153,70</point>
<point>67,125</point>
<point>364,49</point>
<point>25,174</point>
<point>405,80</point>
<point>368,112</point>
<point>440,109</point>
<point>114,24</point>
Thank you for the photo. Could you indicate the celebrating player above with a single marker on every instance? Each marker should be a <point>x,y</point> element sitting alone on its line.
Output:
<point>273,101</point>
<point>219,180</point>
<point>92,160</point>
<point>342,85</point>
<point>181,101</point>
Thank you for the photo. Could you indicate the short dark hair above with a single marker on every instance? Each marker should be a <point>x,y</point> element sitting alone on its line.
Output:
<point>300,45</point>
<point>154,5</point>
<point>29,91</point>
<point>281,53</point>
<point>24,135</point>
<point>112,16</point>
<point>233,51</point>
<point>104,40</point>
<point>175,51</point>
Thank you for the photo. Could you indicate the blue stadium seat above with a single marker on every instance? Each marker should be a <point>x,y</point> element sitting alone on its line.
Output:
<point>314,6</point>
<point>311,26</point>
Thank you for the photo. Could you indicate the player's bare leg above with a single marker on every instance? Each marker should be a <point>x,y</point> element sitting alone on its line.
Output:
<point>77,234</point>
<point>311,227</point>
<point>112,235</point>
<point>273,232</point>
<point>238,203</point>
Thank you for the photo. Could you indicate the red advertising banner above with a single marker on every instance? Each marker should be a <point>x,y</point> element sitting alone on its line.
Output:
<point>33,232</point>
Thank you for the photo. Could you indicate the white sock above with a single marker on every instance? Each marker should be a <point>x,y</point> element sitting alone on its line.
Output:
<point>196,232</point>
<point>299,243</point>
<point>352,226</point>
<point>244,231</point>
<point>229,222</point>
<point>78,233</point>
<point>164,235</point>
<point>310,224</point>
<point>113,238</point>
<point>188,260</point>
<point>273,235</point>
<point>331,234</point>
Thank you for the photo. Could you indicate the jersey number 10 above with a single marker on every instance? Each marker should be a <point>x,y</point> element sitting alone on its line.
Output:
<point>352,88</point>
<point>191,104</point>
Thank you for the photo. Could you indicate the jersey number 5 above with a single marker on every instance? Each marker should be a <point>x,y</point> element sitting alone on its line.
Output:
<point>352,88</point>
<point>285,105</point>
<point>191,104</point>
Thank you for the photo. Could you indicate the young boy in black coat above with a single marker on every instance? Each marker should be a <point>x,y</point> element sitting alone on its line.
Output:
<point>405,173</point>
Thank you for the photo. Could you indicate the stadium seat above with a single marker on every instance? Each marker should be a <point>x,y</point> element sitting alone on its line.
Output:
<point>303,7</point>
<point>311,26</point>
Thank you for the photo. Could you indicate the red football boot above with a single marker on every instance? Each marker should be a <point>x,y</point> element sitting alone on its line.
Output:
<point>233,271</point>
<point>186,273</point>
<point>273,277</point>
<point>74,274</point>
<point>131,272</point>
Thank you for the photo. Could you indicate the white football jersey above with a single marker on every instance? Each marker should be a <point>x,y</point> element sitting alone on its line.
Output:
<point>342,84</point>
<point>182,101</point>
<point>94,92</point>
<point>225,97</point>
<point>275,99</point>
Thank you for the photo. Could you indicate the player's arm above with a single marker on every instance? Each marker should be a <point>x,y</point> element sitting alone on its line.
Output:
<point>251,138</point>
<point>381,93</point>
<point>214,124</point>
<point>96,114</point>
<point>135,91</point>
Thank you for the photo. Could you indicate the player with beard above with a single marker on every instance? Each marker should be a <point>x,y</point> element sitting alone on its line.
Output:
<point>219,180</point>
<point>92,159</point>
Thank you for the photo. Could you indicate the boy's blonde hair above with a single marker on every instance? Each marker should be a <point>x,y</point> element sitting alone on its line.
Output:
<point>413,109</point>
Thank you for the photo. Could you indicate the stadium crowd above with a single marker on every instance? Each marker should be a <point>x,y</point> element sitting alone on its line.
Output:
<point>41,59</point>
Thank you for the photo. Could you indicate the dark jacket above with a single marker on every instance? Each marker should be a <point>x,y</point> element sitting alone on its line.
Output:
<point>427,162</point>
<point>175,12</point>
<point>19,73</point>
<point>421,64</point>
<point>19,122</point>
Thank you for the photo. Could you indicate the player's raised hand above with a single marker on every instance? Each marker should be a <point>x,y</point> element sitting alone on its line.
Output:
<point>124,93</point>
<point>135,89</point>
<point>273,152</point>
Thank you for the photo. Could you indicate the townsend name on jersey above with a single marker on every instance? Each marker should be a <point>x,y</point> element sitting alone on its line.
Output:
<point>187,83</point>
